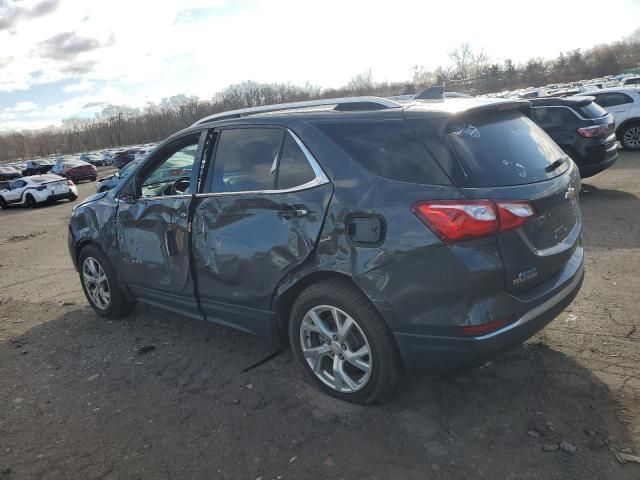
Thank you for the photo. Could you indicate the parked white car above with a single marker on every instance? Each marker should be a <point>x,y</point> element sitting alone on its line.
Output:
<point>31,191</point>
<point>624,104</point>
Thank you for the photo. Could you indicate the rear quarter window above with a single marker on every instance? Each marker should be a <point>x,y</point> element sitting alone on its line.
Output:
<point>387,148</point>
<point>500,149</point>
<point>591,110</point>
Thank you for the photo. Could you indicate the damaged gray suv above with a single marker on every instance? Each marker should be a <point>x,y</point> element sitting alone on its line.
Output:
<point>373,235</point>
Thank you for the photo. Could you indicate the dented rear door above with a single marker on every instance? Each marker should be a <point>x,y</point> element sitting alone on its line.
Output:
<point>247,232</point>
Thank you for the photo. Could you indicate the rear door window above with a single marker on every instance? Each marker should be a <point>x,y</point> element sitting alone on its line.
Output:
<point>246,159</point>
<point>389,149</point>
<point>501,149</point>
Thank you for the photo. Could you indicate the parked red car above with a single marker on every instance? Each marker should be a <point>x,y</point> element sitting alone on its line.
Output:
<point>75,170</point>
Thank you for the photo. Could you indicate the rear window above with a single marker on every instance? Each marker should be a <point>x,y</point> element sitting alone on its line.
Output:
<point>388,149</point>
<point>502,148</point>
<point>590,110</point>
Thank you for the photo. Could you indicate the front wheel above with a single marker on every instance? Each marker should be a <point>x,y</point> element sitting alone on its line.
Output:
<point>100,284</point>
<point>3,203</point>
<point>342,344</point>
<point>630,137</point>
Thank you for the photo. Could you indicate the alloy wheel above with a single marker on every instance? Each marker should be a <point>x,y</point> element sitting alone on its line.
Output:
<point>96,283</point>
<point>336,348</point>
<point>631,138</point>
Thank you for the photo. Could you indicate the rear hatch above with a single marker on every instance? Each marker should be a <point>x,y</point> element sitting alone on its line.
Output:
<point>54,183</point>
<point>504,155</point>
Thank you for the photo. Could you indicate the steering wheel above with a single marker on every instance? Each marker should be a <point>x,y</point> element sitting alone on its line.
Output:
<point>180,186</point>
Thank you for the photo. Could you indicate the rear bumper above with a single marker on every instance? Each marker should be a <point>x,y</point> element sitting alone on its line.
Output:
<point>597,158</point>
<point>61,196</point>
<point>440,354</point>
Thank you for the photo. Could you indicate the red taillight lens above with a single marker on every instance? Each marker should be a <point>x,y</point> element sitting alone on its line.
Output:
<point>459,220</point>
<point>513,214</point>
<point>593,131</point>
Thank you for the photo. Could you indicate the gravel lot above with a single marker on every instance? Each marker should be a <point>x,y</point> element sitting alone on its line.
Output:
<point>78,400</point>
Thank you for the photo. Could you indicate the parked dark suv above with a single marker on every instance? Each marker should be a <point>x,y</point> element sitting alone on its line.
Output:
<point>582,128</point>
<point>371,234</point>
<point>123,157</point>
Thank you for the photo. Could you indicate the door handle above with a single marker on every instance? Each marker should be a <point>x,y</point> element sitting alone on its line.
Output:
<point>291,213</point>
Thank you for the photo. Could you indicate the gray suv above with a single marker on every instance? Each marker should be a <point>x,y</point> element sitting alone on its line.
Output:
<point>373,235</point>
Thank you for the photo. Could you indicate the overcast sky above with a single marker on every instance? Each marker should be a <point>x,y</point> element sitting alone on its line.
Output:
<point>60,58</point>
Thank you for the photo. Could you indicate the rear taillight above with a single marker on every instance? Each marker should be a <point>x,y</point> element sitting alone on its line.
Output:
<point>593,131</point>
<point>41,188</point>
<point>70,183</point>
<point>459,220</point>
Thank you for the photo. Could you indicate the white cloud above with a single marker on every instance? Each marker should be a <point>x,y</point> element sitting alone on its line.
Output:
<point>22,107</point>
<point>145,50</point>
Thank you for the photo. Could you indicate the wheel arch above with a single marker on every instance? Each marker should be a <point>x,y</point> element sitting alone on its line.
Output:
<point>626,123</point>
<point>289,291</point>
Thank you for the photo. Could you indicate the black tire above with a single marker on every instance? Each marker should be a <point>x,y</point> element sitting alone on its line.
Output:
<point>630,136</point>
<point>386,366</point>
<point>30,201</point>
<point>3,203</point>
<point>119,305</point>
<point>104,189</point>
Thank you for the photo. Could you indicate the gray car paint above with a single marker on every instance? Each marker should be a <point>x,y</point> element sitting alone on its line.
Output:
<point>424,290</point>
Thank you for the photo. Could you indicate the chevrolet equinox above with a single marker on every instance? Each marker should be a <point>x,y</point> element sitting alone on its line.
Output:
<point>373,235</point>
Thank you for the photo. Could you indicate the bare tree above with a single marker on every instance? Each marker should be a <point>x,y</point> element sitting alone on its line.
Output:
<point>462,58</point>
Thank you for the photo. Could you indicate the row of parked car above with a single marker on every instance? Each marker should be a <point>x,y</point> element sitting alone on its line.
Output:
<point>50,179</point>
<point>38,166</point>
<point>572,88</point>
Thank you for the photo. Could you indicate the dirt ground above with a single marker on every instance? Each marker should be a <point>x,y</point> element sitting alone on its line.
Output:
<point>79,401</point>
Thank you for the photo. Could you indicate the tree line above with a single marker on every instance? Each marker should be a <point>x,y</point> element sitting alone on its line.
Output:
<point>469,71</point>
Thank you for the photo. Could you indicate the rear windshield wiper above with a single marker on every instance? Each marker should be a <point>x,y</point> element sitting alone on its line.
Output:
<point>552,166</point>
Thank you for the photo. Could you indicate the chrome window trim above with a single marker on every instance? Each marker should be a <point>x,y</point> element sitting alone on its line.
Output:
<point>320,177</point>
<point>317,169</point>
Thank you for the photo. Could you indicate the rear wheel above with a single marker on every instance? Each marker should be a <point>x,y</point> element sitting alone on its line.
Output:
<point>342,344</point>
<point>30,201</point>
<point>100,284</point>
<point>630,136</point>
<point>3,203</point>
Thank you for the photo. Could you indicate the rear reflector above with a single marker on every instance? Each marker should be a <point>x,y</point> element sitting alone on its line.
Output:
<point>459,220</point>
<point>485,328</point>
<point>593,131</point>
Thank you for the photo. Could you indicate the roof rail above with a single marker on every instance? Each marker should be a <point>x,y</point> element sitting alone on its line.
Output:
<point>342,104</point>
